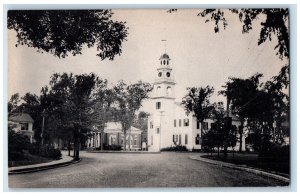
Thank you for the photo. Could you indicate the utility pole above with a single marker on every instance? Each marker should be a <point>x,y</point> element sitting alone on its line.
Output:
<point>228,123</point>
<point>43,126</point>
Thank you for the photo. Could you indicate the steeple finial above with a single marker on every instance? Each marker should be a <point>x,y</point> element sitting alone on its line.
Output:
<point>165,43</point>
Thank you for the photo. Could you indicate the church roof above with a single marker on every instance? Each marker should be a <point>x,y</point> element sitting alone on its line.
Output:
<point>164,56</point>
<point>20,117</point>
<point>116,126</point>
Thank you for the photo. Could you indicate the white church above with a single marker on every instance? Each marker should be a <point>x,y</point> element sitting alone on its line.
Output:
<point>168,124</point>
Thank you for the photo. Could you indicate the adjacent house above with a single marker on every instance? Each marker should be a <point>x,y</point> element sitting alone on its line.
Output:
<point>113,135</point>
<point>22,122</point>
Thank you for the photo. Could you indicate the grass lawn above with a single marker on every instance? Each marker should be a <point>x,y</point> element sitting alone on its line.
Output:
<point>27,159</point>
<point>252,160</point>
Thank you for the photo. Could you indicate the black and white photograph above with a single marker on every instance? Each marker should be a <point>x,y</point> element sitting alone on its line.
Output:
<point>148,98</point>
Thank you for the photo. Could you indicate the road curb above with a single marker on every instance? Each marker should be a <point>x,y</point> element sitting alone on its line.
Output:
<point>242,168</point>
<point>123,152</point>
<point>41,168</point>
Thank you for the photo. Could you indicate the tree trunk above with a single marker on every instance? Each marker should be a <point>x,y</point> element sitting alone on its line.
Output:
<point>77,139</point>
<point>201,130</point>
<point>241,128</point>
<point>76,149</point>
<point>124,140</point>
<point>225,151</point>
<point>69,148</point>
<point>129,142</point>
<point>102,139</point>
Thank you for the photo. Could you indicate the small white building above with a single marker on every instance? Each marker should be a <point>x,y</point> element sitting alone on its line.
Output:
<point>168,123</point>
<point>113,135</point>
<point>22,122</point>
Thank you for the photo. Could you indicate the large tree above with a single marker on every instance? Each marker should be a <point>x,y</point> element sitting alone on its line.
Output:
<point>129,99</point>
<point>32,105</point>
<point>222,133</point>
<point>197,101</point>
<point>13,103</point>
<point>60,32</point>
<point>70,104</point>
<point>240,93</point>
<point>103,98</point>
<point>269,111</point>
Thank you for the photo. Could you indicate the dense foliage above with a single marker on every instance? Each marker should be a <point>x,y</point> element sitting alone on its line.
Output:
<point>197,101</point>
<point>177,148</point>
<point>60,32</point>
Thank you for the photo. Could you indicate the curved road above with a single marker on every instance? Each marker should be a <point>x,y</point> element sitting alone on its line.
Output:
<point>168,169</point>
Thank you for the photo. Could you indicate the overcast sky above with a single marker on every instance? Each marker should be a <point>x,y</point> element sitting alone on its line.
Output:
<point>199,57</point>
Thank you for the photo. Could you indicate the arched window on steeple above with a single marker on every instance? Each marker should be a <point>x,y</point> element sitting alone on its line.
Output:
<point>158,91</point>
<point>164,62</point>
<point>169,91</point>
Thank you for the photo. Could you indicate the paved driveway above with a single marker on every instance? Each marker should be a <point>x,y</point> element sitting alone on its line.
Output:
<point>168,169</point>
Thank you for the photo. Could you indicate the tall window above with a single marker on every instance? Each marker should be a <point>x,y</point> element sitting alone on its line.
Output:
<point>186,122</point>
<point>158,91</point>
<point>151,125</point>
<point>158,105</point>
<point>174,122</point>
<point>205,125</point>
<point>197,139</point>
<point>169,90</point>
<point>186,138</point>
<point>213,126</point>
<point>175,137</point>
<point>157,130</point>
<point>179,140</point>
<point>198,125</point>
<point>24,126</point>
<point>179,122</point>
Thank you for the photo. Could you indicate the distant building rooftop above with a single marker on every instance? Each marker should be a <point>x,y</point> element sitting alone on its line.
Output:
<point>116,126</point>
<point>20,117</point>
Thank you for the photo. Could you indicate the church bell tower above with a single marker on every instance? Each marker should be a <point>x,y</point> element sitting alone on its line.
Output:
<point>164,82</point>
<point>163,98</point>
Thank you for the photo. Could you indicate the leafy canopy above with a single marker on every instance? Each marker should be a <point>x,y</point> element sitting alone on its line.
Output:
<point>60,32</point>
<point>197,100</point>
<point>275,24</point>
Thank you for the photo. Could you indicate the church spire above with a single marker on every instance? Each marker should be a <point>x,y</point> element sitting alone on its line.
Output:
<point>165,44</point>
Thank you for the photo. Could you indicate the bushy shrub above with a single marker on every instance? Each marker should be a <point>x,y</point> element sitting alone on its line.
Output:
<point>177,148</point>
<point>275,157</point>
<point>17,143</point>
<point>114,147</point>
<point>45,151</point>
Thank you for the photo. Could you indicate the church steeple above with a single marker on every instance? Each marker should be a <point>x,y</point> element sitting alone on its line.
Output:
<point>164,59</point>
<point>164,83</point>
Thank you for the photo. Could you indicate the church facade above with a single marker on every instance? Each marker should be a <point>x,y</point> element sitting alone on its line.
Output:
<point>168,123</point>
